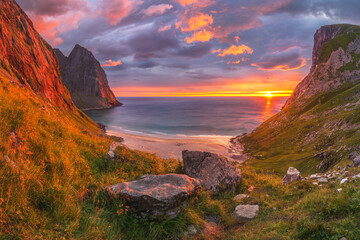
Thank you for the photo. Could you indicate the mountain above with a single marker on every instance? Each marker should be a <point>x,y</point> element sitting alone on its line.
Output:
<point>83,75</point>
<point>29,58</point>
<point>319,125</point>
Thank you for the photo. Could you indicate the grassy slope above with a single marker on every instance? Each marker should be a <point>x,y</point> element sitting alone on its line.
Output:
<point>320,132</point>
<point>328,124</point>
<point>58,160</point>
<point>55,188</point>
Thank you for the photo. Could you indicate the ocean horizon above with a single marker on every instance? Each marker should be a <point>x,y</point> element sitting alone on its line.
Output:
<point>177,117</point>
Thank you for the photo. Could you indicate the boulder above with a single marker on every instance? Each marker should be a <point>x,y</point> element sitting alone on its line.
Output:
<point>292,175</point>
<point>215,171</point>
<point>111,153</point>
<point>246,212</point>
<point>162,195</point>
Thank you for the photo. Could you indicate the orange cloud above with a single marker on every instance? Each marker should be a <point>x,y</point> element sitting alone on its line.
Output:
<point>197,22</point>
<point>158,9</point>
<point>236,50</point>
<point>110,63</point>
<point>201,36</point>
<point>234,62</point>
<point>196,4</point>
<point>216,50</point>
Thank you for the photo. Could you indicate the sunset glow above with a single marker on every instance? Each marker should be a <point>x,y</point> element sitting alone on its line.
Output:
<point>188,47</point>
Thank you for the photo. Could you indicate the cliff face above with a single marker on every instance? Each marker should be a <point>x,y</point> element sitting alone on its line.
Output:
<point>26,55</point>
<point>319,125</point>
<point>336,47</point>
<point>83,75</point>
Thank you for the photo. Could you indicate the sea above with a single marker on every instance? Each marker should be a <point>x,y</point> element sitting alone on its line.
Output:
<point>170,117</point>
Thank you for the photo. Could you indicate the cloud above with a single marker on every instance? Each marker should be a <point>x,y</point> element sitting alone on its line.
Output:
<point>287,60</point>
<point>188,2</point>
<point>201,36</point>
<point>53,18</point>
<point>197,51</point>
<point>110,63</point>
<point>236,50</point>
<point>165,28</point>
<point>158,9</point>
<point>152,44</point>
<point>52,7</point>
<point>116,10</point>
<point>196,22</point>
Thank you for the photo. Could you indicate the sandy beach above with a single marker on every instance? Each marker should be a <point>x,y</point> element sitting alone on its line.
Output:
<point>173,147</point>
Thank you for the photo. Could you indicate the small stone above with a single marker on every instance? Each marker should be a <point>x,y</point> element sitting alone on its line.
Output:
<point>246,212</point>
<point>339,190</point>
<point>331,176</point>
<point>314,176</point>
<point>356,176</point>
<point>315,183</point>
<point>240,197</point>
<point>344,180</point>
<point>355,157</point>
<point>322,180</point>
<point>292,175</point>
<point>191,231</point>
<point>111,153</point>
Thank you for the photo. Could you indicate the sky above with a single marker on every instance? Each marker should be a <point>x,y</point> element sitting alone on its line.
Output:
<point>193,47</point>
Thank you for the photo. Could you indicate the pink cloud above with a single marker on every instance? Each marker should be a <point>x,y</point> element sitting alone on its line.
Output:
<point>165,28</point>
<point>116,10</point>
<point>54,17</point>
<point>158,9</point>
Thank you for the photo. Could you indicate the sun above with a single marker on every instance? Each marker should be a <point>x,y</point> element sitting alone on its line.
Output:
<point>268,94</point>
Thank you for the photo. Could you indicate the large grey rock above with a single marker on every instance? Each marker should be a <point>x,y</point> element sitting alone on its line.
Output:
<point>246,212</point>
<point>162,195</point>
<point>215,171</point>
<point>292,175</point>
<point>86,80</point>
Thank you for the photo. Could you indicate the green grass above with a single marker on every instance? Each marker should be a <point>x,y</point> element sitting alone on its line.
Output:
<point>348,35</point>
<point>297,135</point>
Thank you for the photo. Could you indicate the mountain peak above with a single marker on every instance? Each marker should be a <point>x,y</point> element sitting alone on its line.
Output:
<point>335,61</point>
<point>84,77</point>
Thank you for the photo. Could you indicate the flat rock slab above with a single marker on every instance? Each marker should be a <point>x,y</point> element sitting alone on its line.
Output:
<point>215,171</point>
<point>246,212</point>
<point>162,195</point>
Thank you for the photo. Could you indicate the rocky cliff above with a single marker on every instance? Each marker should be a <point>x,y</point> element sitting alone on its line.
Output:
<point>83,75</point>
<point>319,125</point>
<point>335,61</point>
<point>24,54</point>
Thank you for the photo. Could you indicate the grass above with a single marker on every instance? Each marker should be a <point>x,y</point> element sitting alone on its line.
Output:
<point>53,185</point>
<point>348,35</point>
<point>53,188</point>
<point>297,135</point>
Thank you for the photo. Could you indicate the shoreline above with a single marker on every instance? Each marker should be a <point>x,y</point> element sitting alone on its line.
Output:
<point>173,146</point>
